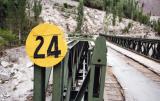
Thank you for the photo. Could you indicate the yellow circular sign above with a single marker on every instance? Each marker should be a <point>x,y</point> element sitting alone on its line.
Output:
<point>46,45</point>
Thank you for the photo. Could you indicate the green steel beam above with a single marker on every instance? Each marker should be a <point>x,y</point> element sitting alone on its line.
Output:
<point>91,82</point>
<point>98,61</point>
<point>68,89</point>
<point>83,88</point>
<point>66,70</point>
<point>102,83</point>
<point>76,65</point>
<point>57,92</point>
<point>39,83</point>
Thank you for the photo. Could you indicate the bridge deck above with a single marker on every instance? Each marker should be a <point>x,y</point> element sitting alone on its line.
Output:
<point>154,66</point>
<point>138,82</point>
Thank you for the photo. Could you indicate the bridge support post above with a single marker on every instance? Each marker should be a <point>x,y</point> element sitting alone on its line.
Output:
<point>98,71</point>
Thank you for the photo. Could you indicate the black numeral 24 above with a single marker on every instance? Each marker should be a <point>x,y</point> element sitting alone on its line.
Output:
<point>54,53</point>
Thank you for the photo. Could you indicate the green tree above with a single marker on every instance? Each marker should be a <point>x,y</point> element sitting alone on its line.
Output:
<point>120,10</point>
<point>114,11</point>
<point>107,6</point>
<point>2,14</point>
<point>114,16</point>
<point>156,26</point>
<point>37,9</point>
<point>80,16</point>
<point>16,16</point>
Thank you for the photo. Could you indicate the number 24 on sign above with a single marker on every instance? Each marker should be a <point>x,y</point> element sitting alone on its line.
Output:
<point>54,42</point>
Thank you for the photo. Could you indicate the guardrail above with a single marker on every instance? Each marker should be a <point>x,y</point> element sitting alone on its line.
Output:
<point>149,48</point>
<point>79,77</point>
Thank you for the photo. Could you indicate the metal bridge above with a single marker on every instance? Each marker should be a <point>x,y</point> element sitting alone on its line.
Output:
<point>81,76</point>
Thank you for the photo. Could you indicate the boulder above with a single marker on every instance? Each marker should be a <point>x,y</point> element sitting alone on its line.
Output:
<point>4,74</point>
<point>13,58</point>
<point>4,63</point>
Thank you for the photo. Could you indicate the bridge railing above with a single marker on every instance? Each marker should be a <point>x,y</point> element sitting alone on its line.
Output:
<point>147,47</point>
<point>80,76</point>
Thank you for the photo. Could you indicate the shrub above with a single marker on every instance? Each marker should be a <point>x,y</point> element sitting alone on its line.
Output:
<point>156,26</point>
<point>7,35</point>
<point>94,3</point>
<point>145,19</point>
<point>2,42</point>
<point>126,29</point>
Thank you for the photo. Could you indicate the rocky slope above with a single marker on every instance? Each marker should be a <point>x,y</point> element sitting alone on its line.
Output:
<point>16,75</point>
<point>135,30</point>
<point>95,21</point>
<point>66,18</point>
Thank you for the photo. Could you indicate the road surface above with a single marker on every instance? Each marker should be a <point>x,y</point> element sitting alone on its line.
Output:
<point>138,82</point>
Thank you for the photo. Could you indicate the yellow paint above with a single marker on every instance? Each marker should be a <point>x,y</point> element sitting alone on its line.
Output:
<point>47,31</point>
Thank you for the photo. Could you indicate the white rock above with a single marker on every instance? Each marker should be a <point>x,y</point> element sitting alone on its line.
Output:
<point>4,63</point>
